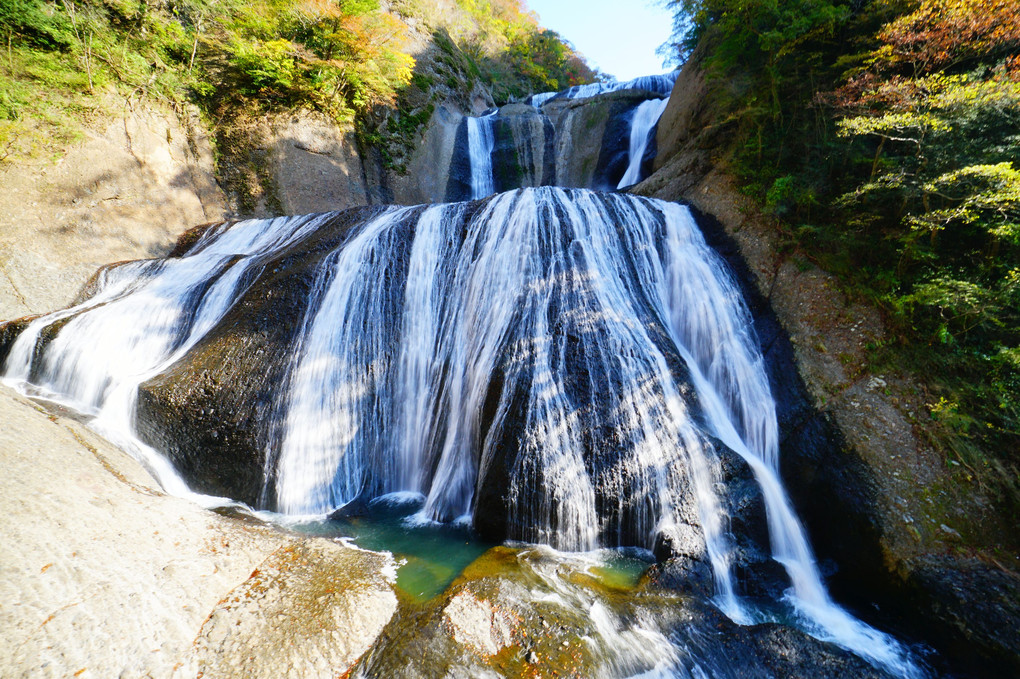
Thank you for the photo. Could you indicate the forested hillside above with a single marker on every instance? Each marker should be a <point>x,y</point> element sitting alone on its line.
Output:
<point>882,137</point>
<point>67,63</point>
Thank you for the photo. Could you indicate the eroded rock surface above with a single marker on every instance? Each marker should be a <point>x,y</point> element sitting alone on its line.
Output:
<point>876,498</point>
<point>531,613</point>
<point>103,575</point>
<point>126,192</point>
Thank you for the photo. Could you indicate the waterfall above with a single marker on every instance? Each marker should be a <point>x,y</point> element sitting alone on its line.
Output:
<point>481,142</point>
<point>399,406</point>
<point>645,118</point>
<point>729,376</point>
<point>656,84</point>
<point>144,316</point>
<point>557,365</point>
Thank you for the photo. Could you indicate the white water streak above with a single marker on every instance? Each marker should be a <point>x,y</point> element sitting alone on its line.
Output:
<point>711,327</point>
<point>646,115</point>
<point>541,287</point>
<point>144,317</point>
<point>334,401</point>
<point>481,141</point>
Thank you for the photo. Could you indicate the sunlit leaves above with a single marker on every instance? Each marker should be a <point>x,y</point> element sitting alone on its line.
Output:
<point>266,64</point>
<point>342,56</point>
<point>941,33</point>
<point>517,55</point>
<point>893,125</point>
<point>988,195</point>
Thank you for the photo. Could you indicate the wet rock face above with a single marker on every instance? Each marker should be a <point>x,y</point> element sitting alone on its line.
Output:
<point>583,143</point>
<point>523,153</point>
<point>9,332</point>
<point>213,412</point>
<point>961,604</point>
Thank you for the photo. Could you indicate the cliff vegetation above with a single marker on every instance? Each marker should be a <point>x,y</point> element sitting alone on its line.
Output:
<point>68,63</point>
<point>882,137</point>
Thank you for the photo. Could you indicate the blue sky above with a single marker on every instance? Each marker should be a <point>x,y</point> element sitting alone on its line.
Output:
<point>619,37</point>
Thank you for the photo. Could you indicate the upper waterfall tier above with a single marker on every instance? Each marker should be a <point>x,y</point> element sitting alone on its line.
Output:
<point>656,84</point>
<point>600,142</point>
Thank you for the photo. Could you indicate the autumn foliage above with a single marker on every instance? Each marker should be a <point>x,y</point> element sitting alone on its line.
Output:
<point>945,33</point>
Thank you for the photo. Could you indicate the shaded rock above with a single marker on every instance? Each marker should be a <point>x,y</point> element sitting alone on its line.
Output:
<point>777,650</point>
<point>680,574</point>
<point>963,606</point>
<point>213,413</point>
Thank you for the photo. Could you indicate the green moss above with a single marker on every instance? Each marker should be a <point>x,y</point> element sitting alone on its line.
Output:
<point>244,164</point>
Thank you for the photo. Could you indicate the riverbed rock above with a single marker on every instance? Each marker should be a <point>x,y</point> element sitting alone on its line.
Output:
<point>103,575</point>
<point>525,612</point>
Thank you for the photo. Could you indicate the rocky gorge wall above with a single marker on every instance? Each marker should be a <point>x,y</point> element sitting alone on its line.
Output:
<point>893,520</point>
<point>126,192</point>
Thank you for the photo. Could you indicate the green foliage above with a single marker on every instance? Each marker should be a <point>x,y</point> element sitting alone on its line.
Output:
<point>265,64</point>
<point>35,22</point>
<point>341,57</point>
<point>507,49</point>
<point>884,135</point>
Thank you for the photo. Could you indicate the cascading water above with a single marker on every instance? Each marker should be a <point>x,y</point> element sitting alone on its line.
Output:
<point>646,116</point>
<point>481,141</point>
<point>656,84</point>
<point>557,365</point>
<point>598,143</point>
<point>143,317</point>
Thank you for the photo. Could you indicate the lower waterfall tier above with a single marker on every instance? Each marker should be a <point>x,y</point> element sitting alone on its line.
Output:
<point>516,360</point>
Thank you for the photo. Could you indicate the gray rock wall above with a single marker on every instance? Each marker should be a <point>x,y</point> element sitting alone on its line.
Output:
<point>316,164</point>
<point>126,192</point>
